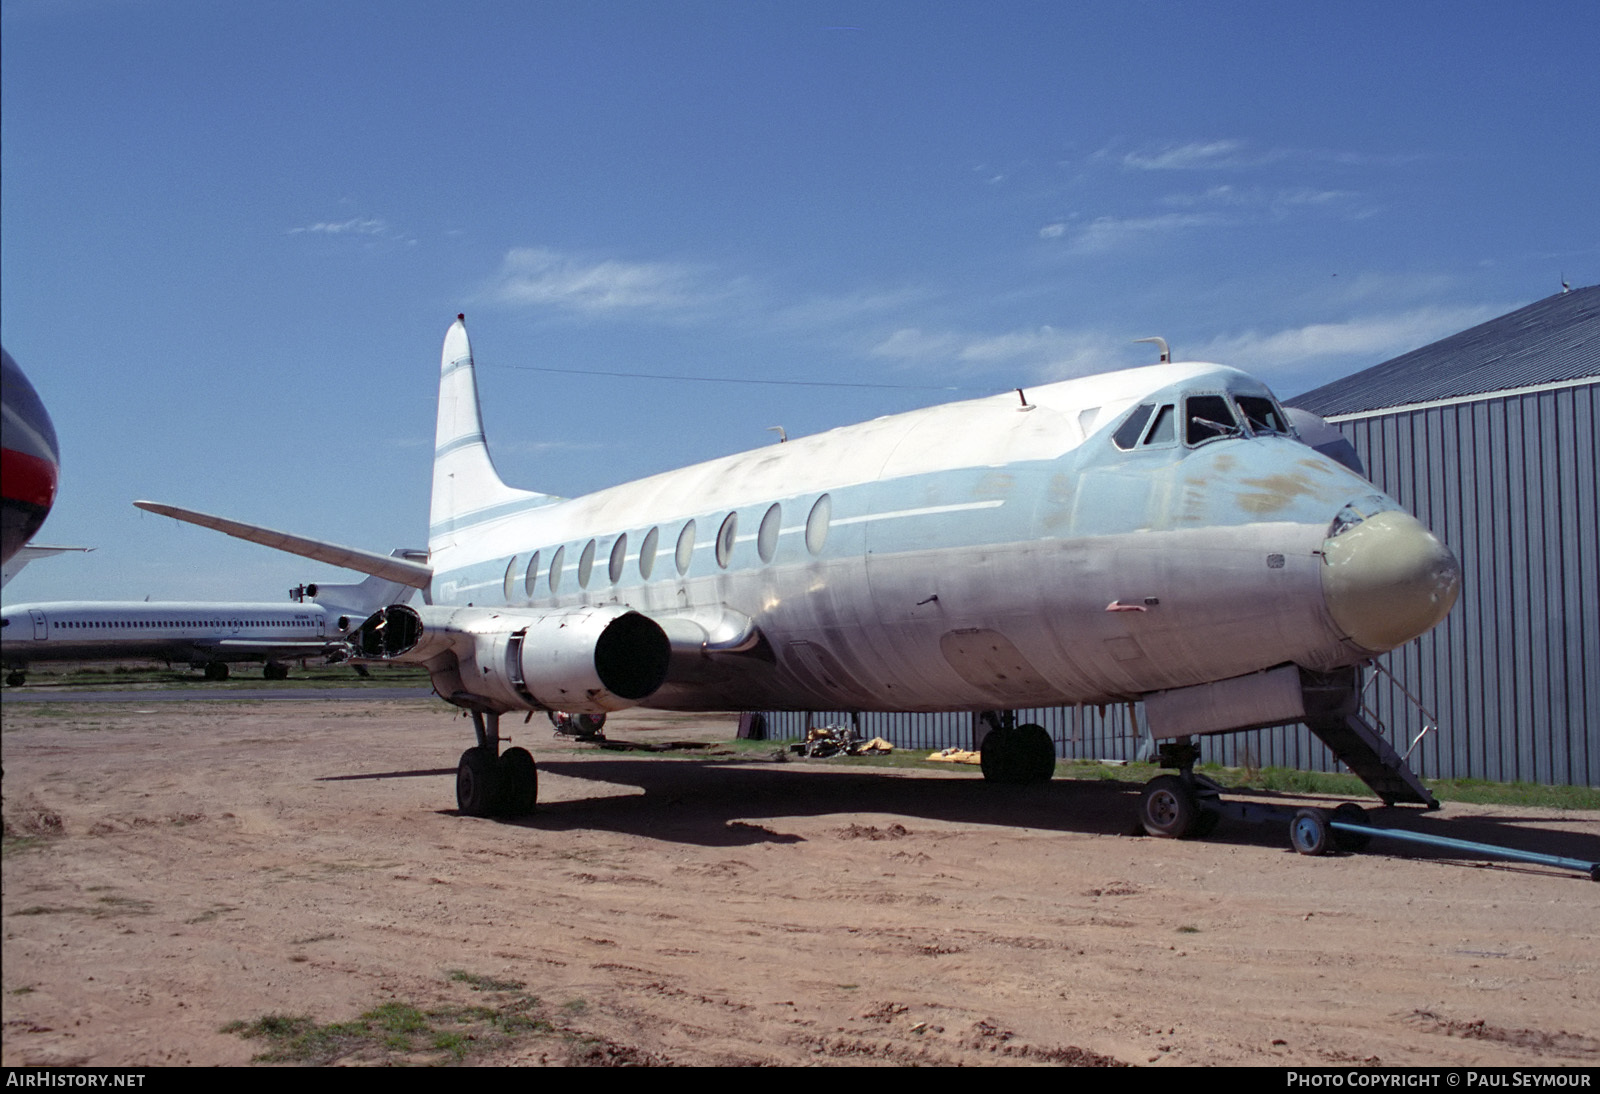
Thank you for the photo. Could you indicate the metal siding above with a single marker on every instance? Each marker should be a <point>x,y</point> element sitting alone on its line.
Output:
<point>1584,603</point>
<point>1560,470</point>
<point>1460,504</point>
<point>1548,698</point>
<point>1502,758</point>
<point>1533,706</point>
<point>1511,484</point>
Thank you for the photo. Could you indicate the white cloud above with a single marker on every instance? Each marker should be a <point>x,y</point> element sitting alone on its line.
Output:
<point>1034,355</point>
<point>1228,154</point>
<point>1375,336</point>
<point>541,277</point>
<point>831,311</point>
<point>1108,233</point>
<point>366,226</point>
<point>1276,202</point>
<point>1196,155</point>
<point>1045,353</point>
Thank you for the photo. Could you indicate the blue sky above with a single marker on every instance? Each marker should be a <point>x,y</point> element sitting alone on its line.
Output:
<point>234,235</point>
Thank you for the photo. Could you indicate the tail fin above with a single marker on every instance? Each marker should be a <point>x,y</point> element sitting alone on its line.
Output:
<point>467,489</point>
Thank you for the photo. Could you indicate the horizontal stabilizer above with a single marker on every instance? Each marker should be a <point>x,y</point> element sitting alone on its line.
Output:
<point>414,574</point>
<point>30,553</point>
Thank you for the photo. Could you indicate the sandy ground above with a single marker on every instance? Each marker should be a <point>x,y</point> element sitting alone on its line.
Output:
<point>173,867</point>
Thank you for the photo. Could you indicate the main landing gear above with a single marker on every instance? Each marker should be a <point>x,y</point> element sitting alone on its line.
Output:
<point>1016,755</point>
<point>491,783</point>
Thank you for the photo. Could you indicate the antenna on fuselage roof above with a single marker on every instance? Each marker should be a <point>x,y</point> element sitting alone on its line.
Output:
<point>1166,354</point>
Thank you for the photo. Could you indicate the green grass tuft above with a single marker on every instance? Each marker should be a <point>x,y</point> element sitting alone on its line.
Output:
<point>395,1032</point>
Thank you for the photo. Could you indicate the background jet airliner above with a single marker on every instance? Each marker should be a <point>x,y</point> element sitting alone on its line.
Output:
<point>204,635</point>
<point>1156,534</point>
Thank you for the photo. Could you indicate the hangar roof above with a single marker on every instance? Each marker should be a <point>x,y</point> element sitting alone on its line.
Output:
<point>1552,340</point>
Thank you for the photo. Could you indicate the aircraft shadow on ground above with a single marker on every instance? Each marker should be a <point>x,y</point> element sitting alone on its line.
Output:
<point>718,803</point>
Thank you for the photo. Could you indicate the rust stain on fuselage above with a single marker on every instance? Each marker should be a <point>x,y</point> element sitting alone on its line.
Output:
<point>1273,493</point>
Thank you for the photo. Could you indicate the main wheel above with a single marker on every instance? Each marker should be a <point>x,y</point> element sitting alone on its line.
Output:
<point>1035,754</point>
<point>478,782</point>
<point>519,781</point>
<point>1351,813</point>
<point>1167,808</point>
<point>997,755</point>
<point>1309,832</point>
<point>216,670</point>
<point>15,679</point>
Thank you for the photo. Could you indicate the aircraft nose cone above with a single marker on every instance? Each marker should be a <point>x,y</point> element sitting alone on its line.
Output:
<point>1388,580</point>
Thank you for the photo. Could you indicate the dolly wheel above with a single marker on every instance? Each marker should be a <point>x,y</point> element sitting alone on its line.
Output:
<point>1309,832</point>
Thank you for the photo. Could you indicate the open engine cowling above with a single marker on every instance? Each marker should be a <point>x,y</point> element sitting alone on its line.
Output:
<point>583,660</point>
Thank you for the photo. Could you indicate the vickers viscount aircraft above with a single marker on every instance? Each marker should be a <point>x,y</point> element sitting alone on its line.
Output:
<point>1155,534</point>
<point>206,635</point>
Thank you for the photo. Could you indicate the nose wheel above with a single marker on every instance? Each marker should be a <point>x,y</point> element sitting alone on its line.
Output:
<point>1182,806</point>
<point>1170,808</point>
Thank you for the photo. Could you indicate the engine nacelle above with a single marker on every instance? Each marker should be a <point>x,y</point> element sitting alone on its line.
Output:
<point>587,660</point>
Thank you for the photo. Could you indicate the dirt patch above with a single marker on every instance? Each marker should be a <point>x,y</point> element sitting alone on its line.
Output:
<point>298,870</point>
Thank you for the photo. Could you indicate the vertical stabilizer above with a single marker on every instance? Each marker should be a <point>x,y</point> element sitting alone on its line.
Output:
<point>466,487</point>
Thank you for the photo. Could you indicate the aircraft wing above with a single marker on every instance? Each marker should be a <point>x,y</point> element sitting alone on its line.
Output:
<point>414,574</point>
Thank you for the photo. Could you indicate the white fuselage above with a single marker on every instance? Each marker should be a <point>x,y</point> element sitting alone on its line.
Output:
<point>986,554</point>
<point>191,632</point>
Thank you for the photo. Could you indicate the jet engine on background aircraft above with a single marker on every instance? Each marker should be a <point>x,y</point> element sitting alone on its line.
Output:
<point>587,660</point>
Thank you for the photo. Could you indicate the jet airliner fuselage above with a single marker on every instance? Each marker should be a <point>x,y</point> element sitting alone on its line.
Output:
<point>205,634</point>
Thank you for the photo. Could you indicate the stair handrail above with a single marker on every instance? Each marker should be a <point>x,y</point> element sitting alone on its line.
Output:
<point>1430,724</point>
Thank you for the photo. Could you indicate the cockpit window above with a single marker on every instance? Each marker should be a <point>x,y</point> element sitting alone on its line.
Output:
<point>1262,414</point>
<point>1127,434</point>
<point>1163,432</point>
<point>1208,417</point>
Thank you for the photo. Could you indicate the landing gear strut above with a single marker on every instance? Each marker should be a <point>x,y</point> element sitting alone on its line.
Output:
<point>490,783</point>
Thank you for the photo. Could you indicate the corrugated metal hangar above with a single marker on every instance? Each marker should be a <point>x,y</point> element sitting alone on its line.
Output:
<point>1489,437</point>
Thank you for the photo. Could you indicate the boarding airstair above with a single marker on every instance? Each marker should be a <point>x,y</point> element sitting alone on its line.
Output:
<point>1334,713</point>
